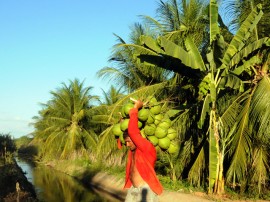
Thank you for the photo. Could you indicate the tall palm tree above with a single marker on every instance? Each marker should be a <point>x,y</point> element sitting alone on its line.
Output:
<point>64,124</point>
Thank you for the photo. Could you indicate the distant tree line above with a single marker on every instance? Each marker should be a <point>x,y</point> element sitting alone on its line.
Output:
<point>7,146</point>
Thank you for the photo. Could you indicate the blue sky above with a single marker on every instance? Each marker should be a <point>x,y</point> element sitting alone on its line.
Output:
<point>44,43</point>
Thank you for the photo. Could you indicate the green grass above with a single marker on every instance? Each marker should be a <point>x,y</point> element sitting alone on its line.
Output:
<point>178,185</point>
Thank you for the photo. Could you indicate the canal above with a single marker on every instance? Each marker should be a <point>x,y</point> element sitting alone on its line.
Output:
<point>54,186</point>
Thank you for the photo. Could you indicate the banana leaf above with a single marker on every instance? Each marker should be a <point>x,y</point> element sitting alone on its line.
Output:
<point>242,35</point>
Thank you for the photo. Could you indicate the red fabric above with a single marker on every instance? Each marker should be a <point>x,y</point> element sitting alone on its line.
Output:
<point>145,156</point>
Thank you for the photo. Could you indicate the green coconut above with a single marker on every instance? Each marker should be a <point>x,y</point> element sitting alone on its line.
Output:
<point>124,124</point>
<point>140,124</point>
<point>149,129</point>
<point>164,143</point>
<point>151,118</point>
<point>164,124</point>
<point>173,148</point>
<point>153,101</point>
<point>172,133</point>
<point>161,132</point>
<point>168,120</point>
<point>158,118</point>
<point>117,130</point>
<point>127,108</point>
<point>154,140</point>
<point>156,109</point>
<point>143,114</point>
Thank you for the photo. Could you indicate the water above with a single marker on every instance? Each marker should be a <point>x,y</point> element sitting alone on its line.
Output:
<point>54,186</point>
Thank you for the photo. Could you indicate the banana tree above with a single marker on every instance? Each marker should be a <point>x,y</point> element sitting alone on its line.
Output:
<point>215,73</point>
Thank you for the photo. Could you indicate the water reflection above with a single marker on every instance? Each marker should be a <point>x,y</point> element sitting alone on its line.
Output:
<point>27,167</point>
<point>54,186</point>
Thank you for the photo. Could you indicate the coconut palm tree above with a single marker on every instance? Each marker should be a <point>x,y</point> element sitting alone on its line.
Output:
<point>222,61</point>
<point>64,124</point>
<point>247,149</point>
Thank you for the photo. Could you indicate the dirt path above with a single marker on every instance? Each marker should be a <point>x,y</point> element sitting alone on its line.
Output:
<point>168,196</point>
<point>112,188</point>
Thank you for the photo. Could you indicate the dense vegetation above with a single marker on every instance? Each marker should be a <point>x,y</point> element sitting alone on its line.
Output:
<point>7,147</point>
<point>214,79</point>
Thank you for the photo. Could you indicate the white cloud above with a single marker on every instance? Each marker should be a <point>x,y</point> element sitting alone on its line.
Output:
<point>15,126</point>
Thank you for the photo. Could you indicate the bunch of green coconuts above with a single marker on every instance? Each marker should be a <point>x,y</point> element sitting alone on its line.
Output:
<point>153,125</point>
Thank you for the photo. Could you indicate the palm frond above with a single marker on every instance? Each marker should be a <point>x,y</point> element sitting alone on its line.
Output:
<point>260,167</point>
<point>154,24</point>
<point>196,173</point>
<point>107,142</point>
<point>142,92</point>
<point>230,111</point>
<point>240,146</point>
<point>260,113</point>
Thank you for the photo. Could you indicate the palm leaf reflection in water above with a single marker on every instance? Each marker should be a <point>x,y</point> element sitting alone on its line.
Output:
<point>58,187</point>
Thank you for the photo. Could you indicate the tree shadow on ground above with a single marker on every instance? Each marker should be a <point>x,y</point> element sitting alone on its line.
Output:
<point>102,183</point>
